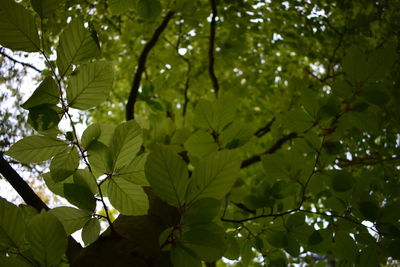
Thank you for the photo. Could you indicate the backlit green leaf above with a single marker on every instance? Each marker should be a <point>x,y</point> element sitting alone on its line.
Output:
<point>127,197</point>
<point>100,157</point>
<point>45,8</point>
<point>76,45</point>
<point>207,241</point>
<point>90,134</point>
<point>344,247</point>
<point>202,211</point>
<point>46,93</point>
<point>47,239</point>
<point>214,176</point>
<point>86,179</point>
<point>33,149</point>
<point>168,176</point>
<point>182,257</point>
<point>43,117</point>
<point>149,9</point>
<point>12,225</point>
<point>91,85</point>
<point>134,171</point>
<point>201,144</point>
<point>80,196</point>
<point>64,164</point>
<point>18,28</point>
<point>120,6</point>
<point>91,231</point>
<point>72,219</point>
<point>125,143</point>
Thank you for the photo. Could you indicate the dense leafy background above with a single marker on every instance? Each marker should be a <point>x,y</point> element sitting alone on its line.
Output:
<point>265,133</point>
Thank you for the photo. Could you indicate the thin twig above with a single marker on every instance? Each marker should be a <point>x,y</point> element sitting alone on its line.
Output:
<point>130,105</point>
<point>211,46</point>
<point>19,62</point>
<point>265,129</point>
<point>277,145</point>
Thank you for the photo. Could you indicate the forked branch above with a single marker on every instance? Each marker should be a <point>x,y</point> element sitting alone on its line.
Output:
<point>130,106</point>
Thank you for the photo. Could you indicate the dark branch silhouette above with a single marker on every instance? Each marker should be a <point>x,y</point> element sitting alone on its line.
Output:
<point>266,129</point>
<point>130,106</point>
<point>211,46</point>
<point>19,62</point>
<point>30,198</point>
<point>278,144</point>
<point>22,188</point>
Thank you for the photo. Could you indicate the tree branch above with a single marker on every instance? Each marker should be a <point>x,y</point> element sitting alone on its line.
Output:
<point>30,198</point>
<point>19,62</point>
<point>22,188</point>
<point>130,106</point>
<point>211,59</point>
<point>278,144</point>
<point>264,130</point>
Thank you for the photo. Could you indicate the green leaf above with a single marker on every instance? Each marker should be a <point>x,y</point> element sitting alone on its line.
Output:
<point>134,171</point>
<point>369,257</point>
<point>80,196</point>
<point>91,85</point>
<point>344,247</point>
<point>12,225</point>
<point>293,247</point>
<point>236,134</point>
<point>125,143</point>
<point>297,120</point>
<point>47,239</point>
<point>201,144</point>
<point>214,176</point>
<point>64,164</point>
<point>118,7</point>
<point>86,179</point>
<point>207,241</point>
<point>215,115</point>
<point>76,45</point>
<point>168,176</point>
<point>182,257</point>
<point>46,93</point>
<point>17,28</point>
<point>201,211</point>
<point>34,149</point>
<point>45,8</point>
<point>55,187</point>
<point>100,157</point>
<point>128,198</point>
<point>315,238</point>
<point>43,117</point>
<point>341,181</point>
<point>233,250</point>
<point>72,219</point>
<point>90,134</point>
<point>149,9</point>
<point>369,210</point>
<point>277,239</point>
<point>91,231</point>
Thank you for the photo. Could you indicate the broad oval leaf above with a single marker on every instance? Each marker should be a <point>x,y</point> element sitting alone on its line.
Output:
<point>128,198</point>
<point>47,239</point>
<point>125,143</point>
<point>134,171</point>
<point>201,211</point>
<point>44,117</point>
<point>34,149</point>
<point>45,8</point>
<point>80,196</point>
<point>91,133</point>
<point>86,179</point>
<point>91,85</point>
<point>12,225</point>
<point>182,257</point>
<point>207,241</point>
<point>168,176</point>
<point>46,93</point>
<point>91,231</point>
<point>76,45</point>
<point>100,158</point>
<point>214,176</point>
<point>18,28</point>
<point>201,144</point>
<point>72,219</point>
<point>64,164</point>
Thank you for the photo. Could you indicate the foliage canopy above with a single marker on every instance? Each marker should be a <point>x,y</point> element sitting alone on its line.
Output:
<point>256,133</point>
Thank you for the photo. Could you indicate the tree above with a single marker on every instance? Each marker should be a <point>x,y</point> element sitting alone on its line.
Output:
<point>262,132</point>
